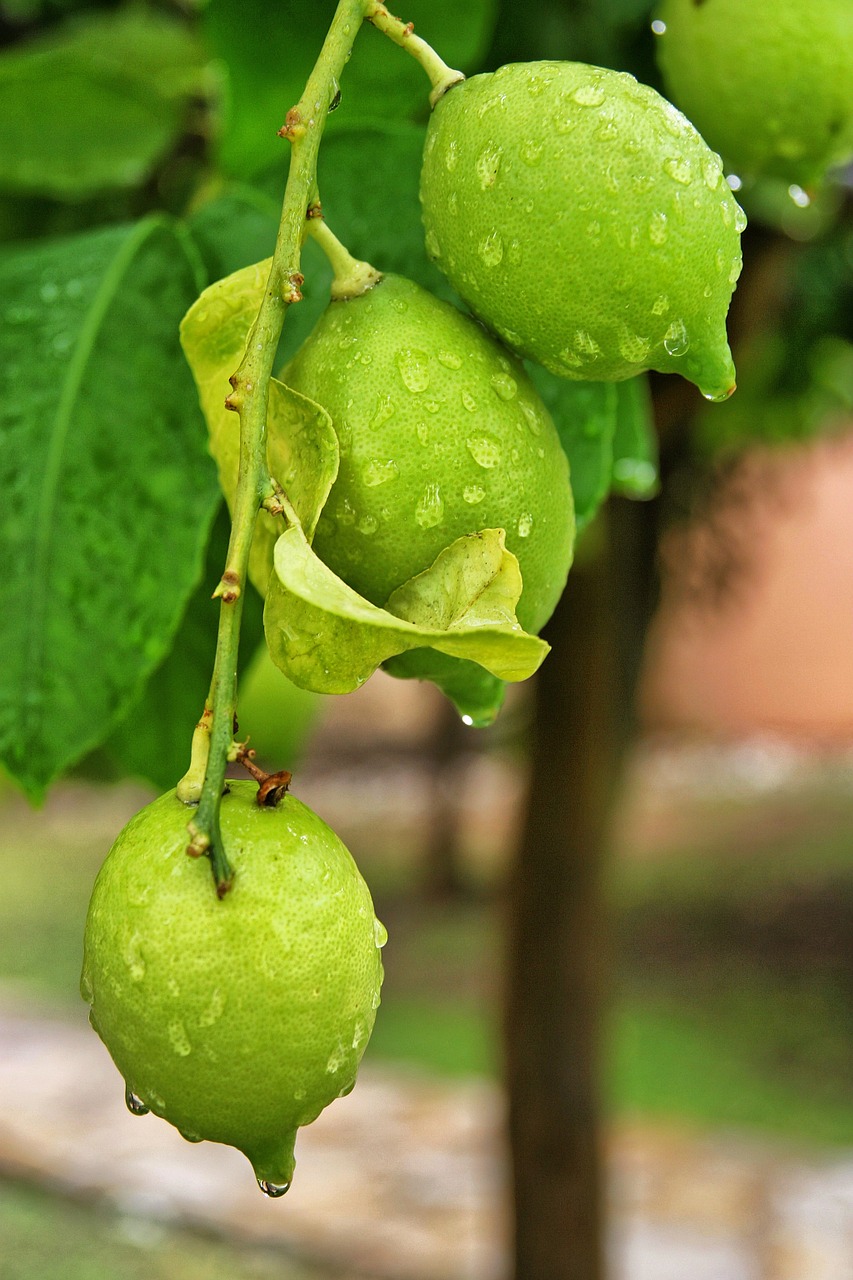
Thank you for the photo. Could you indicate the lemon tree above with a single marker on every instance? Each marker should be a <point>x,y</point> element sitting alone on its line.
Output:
<point>237,1021</point>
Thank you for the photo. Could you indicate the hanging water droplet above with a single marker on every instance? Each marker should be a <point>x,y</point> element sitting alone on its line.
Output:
<point>525,524</point>
<point>134,1103</point>
<point>430,509</point>
<point>485,451</point>
<point>190,1137</point>
<point>488,165</point>
<point>380,934</point>
<point>473,493</point>
<point>712,172</point>
<point>467,720</point>
<point>719,396</point>
<point>676,340</point>
<point>740,219</point>
<point>272,1190</point>
<point>491,248</point>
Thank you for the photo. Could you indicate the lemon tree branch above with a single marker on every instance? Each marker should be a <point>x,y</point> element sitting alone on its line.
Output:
<point>403,33</point>
<point>303,127</point>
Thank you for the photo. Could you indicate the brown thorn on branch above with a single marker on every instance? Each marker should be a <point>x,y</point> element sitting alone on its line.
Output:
<point>228,588</point>
<point>199,841</point>
<point>315,210</point>
<point>272,787</point>
<point>293,126</point>
<point>409,29</point>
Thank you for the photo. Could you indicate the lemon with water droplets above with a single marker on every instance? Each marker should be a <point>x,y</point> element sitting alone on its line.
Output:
<point>237,1020</point>
<point>585,221</point>
<point>768,82</point>
<point>442,434</point>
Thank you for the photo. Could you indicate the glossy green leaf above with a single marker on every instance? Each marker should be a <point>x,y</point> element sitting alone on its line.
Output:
<point>269,57</point>
<point>326,637</point>
<point>302,448</point>
<point>153,739</point>
<point>108,486</point>
<point>585,416</point>
<point>94,108</point>
<point>635,445</point>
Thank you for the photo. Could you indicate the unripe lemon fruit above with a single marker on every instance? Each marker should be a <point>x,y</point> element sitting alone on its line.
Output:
<point>236,1020</point>
<point>768,82</point>
<point>584,220</point>
<point>441,434</point>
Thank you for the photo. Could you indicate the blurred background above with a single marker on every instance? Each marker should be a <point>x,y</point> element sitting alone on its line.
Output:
<point>623,915</point>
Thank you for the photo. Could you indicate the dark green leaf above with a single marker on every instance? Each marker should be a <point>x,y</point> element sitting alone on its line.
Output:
<point>269,56</point>
<point>584,414</point>
<point>96,107</point>
<point>234,229</point>
<point>108,486</point>
<point>635,446</point>
<point>153,740</point>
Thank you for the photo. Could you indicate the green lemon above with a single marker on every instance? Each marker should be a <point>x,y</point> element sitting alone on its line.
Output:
<point>441,434</point>
<point>236,1020</point>
<point>768,82</point>
<point>584,220</point>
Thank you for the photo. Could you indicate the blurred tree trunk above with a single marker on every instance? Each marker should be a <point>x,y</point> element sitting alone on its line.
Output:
<point>558,931</point>
<point>443,874</point>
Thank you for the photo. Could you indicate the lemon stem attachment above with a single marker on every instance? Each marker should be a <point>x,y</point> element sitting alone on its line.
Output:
<point>249,397</point>
<point>351,277</point>
<point>441,76</point>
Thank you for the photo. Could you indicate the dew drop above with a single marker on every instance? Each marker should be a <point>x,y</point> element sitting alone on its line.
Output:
<point>134,1103</point>
<point>451,158</point>
<point>488,165</point>
<point>675,340</point>
<point>734,269</point>
<point>658,27</point>
<point>214,1010</point>
<point>414,369</point>
<point>525,524</point>
<point>422,431</point>
<point>589,95</point>
<point>473,493</point>
<point>380,934</point>
<point>735,182</point>
<point>719,396</point>
<point>449,360</point>
<point>347,1089</point>
<point>345,513</point>
<point>593,231</point>
<point>468,721</point>
<point>273,1190</point>
<point>179,1039</point>
<point>505,386</point>
<point>134,958</point>
<point>430,509</point>
<point>586,344</point>
<point>377,472</point>
<point>679,169</point>
<point>485,451</point>
<point>660,306</point>
<point>608,131</point>
<point>740,219</point>
<point>531,418</point>
<point>190,1137</point>
<point>491,249</point>
<point>720,260</point>
<point>367,524</point>
<point>538,83</point>
<point>531,152</point>
<point>433,247</point>
<point>712,172</point>
<point>384,410</point>
<point>514,251</point>
<point>469,402</point>
<point>49,291</point>
<point>659,228</point>
<point>634,348</point>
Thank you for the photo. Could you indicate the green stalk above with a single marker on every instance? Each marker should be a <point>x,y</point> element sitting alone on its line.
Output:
<point>304,128</point>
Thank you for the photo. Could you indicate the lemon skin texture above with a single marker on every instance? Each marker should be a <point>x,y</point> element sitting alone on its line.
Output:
<point>236,1020</point>
<point>770,85</point>
<point>442,434</point>
<point>585,221</point>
